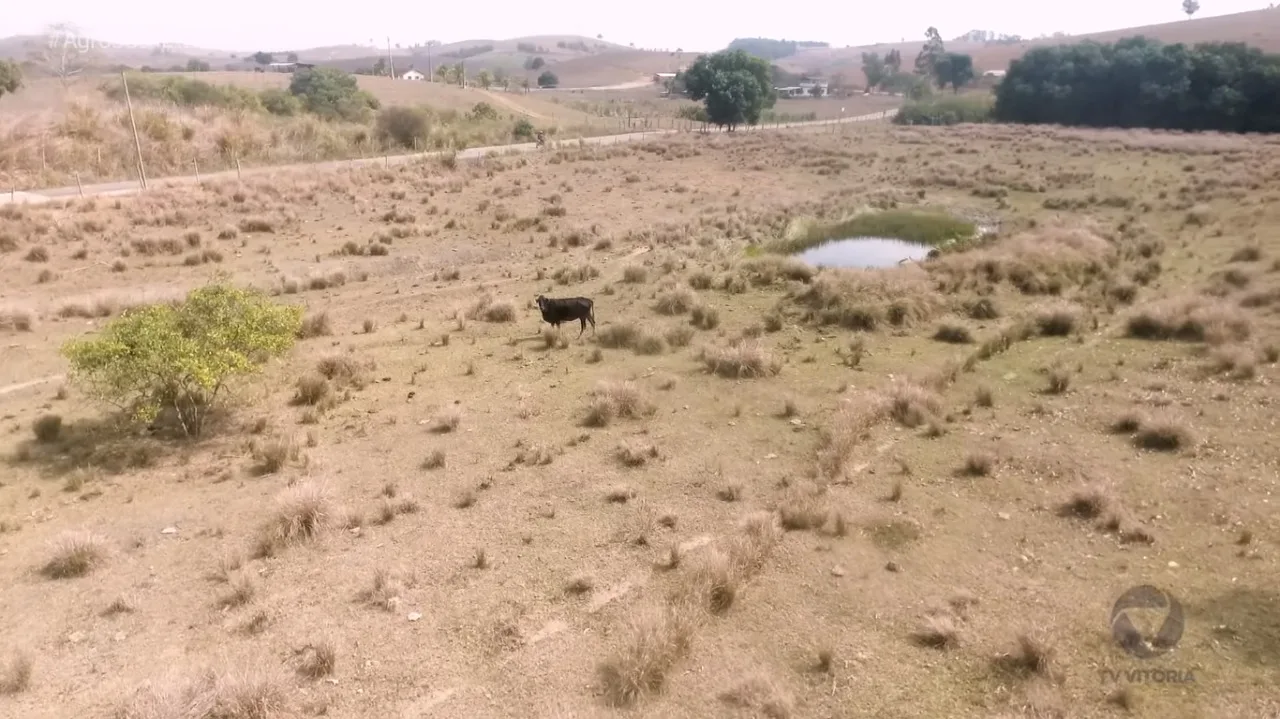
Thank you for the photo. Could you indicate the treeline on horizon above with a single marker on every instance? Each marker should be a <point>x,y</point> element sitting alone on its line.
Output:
<point>770,49</point>
<point>1141,82</point>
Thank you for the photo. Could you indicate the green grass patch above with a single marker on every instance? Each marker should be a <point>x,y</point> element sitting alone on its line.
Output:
<point>924,227</point>
<point>946,110</point>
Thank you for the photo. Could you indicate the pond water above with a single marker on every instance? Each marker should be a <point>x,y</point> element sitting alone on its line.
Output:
<point>863,252</point>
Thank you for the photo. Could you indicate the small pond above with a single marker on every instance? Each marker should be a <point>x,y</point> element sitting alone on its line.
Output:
<point>863,252</point>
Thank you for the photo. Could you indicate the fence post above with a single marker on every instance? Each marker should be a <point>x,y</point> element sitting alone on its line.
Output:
<point>78,185</point>
<point>137,143</point>
<point>196,164</point>
<point>238,167</point>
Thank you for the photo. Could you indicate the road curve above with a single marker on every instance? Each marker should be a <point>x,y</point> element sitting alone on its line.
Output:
<point>129,187</point>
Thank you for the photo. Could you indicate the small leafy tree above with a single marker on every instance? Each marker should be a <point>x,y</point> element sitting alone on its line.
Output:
<point>932,51</point>
<point>484,79</point>
<point>403,125</point>
<point>875,69</point>
<point>196,65</point>
<point>263,58</point>
<point>548,79</point>
<point>332,93</point>
<point>954,69</point>
<point>893,62</point>
<point>10,77</point>
<point>1190,7</point>
<point>179,357</point>
<point>736,87</point>
<point>292,57</point>
<point>523,129</point>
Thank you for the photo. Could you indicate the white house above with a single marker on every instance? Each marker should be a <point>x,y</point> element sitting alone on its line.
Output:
<point>993,73</point>
<point>804,89</point>
<point>413,75</point>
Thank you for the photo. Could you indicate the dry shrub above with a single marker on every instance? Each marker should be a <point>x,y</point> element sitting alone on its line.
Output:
<point>317,660</point>
<point>15,673</point>
<point>655,638</point>
<point>1035,654</point>
<point>979,464</point>
<point>274,454</point>
<point>870,299</point>
<point>75,554</point>
<point>239,693</point>
<point>1164,435</point>
<point>953,334</point>
<point>435,460</point>
<point>1059,379</point>
<point>761,694</point>
<point>317,325</point>
<point>649,343</point>
<point>636,454</point>
<point>1058,320</point>
<point>1088,502</point>
<point>704,317</point>
<point>678,336</point>
<point>14,319</point>
<point>911,404</point>
<point>676,301</point>
<point>311,390</point>
<point>745,358</point>
<point>488,309</point>
<point>580,584</point>
<point>343,370</point>
<point>300,514</point>
<point>767,269</point>
<point>1127,423</point>
<point>1190,319</point>
<point>938,631</point>
<point>1237,362</point>
<point>610,400</point>
<point>618,336</point>
<point>984,397</point>
<point>47,428</point>
<point>386,591</point>
<point>635,274</point>
<point>242,586</point>
<point>446,421</point>
<point>853,419</point>
<point>1042,261</point>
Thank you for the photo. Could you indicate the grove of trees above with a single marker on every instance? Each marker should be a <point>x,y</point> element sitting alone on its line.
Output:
<point>1139,82</point>
<point>735,86</point>
<point>771,49</point>
<point>10,77</point>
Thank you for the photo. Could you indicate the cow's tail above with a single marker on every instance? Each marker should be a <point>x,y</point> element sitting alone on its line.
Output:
<point>591,315</point>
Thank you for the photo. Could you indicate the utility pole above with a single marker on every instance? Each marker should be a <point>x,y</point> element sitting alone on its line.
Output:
<point>390,62</point>
<point>431,75</point>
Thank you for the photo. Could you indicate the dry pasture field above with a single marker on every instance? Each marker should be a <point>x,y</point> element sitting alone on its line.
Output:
<point>753,490</point>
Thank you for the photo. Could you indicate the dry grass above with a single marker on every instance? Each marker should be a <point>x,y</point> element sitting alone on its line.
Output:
<point>75,554</point>
<point>300,514</point>
<point>744,359</point>
<point>15,673</point>
<point>617,400</point>
<point>653,641</point>
<point>1191,319</point>
<point>240,693</point>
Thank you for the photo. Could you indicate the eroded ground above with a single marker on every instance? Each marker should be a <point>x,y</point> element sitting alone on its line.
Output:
<point>865,521</point>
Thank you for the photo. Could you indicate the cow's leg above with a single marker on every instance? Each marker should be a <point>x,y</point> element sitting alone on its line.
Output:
<point>583,320</point>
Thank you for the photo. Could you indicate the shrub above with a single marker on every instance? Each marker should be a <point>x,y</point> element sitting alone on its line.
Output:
<point>181,356</point>
<point>944,110</point>
<point>523,129</point>
<point>406,126</point>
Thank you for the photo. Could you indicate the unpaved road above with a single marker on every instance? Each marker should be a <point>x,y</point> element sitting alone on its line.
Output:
<point>130,187</point>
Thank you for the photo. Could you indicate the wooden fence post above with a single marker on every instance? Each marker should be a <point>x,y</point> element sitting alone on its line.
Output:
<point>78,185</point>
<point>196,164</point>
<point>137,143</point>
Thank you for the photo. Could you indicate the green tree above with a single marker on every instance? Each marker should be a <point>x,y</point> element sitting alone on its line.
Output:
<point>484,79</point>
<point>292,57</point>
<point>194,65</point>
<point>332,94</point>
<point>263,58</point>
<point>874,68</point>
<point>932,51</point>
<point>893,62</point>
<point>1190,7</point>
<point>736,87</point>
<point>180,357</point>
<point>954,69</point>
<point>548,79</point>
<point>10,77</point>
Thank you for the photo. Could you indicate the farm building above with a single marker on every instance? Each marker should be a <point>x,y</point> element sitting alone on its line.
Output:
<point>413,75</point>
<point>804,89</point>
<point>288,66</point>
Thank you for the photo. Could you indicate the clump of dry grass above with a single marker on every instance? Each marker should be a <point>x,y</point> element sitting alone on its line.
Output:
<point>489,309</point>
<point>635,274</point>
<point>15,673</point>
<point>47,428</point>
<point>387,589</point>
<point>911,404</point>
<point>676,301</point>
<point>618,336</point>
<point>653,641</point>
<point>1059,380</point>
<point>299,515</point>
<point>317,659</point>
<point>311,390</point>
<point>1164,435</point>
<point>761,694</point>
<point>75,554</point>
<point>317,325</point>
<point>1190,319</point>
<point>274,454</point>
<point>17,319</point>
<point>343,370</point>
<point>979,464</point>
<point>447,420</point>
<point>242,693</point>
<point>636,454</point>
<point>704,317</point>
<point>938,631</point>
<point>1089,502</point>
<point>869,299</point>
<point>1058,320</point>
<point>435,460</point>
<point>953,334</point>
<point>1034,655</point>
<point>610,400</point>
<point>1043,261</point>
<point>580,584</point>
<point>242,586</point>
<point>745,358</point>
<point>1127,423</point>
<point>1237,362</point>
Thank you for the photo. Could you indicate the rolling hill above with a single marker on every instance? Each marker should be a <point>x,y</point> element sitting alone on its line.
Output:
<point>1260,28</point>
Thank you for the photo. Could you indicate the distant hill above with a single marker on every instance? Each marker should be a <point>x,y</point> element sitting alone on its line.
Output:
<point>1260,28</point>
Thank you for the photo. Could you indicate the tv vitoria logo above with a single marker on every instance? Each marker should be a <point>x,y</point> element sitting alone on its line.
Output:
<point>1146,644</point>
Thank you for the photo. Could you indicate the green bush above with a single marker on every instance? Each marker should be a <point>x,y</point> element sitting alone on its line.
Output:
<point>483,111</point>
<point>332,94</point>
<point>185,92</point>
<point>404,125</point>
<point>523,129</point>
<point>179,357</point>
<point>946,110</point>
<point>280,102</point>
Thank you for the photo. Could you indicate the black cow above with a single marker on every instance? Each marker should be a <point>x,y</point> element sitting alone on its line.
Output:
<point>567,309</point>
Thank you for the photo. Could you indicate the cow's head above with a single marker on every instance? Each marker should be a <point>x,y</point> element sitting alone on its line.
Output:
<point>542,302</point>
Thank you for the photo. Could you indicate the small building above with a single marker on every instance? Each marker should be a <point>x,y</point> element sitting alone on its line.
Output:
<point>804,89</point>
<point>661,77</point>
<point>993,73</point>
<point>413,75</point>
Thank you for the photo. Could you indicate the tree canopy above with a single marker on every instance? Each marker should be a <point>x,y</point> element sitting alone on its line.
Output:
<point>735,86</point>
<point>332,93</point>
<point>954,69</point>
<point>1139,82</point>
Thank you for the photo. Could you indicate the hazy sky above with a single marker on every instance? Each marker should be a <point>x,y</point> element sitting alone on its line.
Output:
<point>248,25</point>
